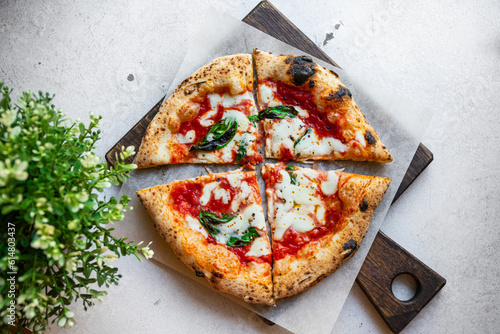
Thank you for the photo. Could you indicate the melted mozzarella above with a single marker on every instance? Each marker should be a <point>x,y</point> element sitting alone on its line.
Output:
<point>207,192</point>
<point>187,138</point>
<point>299,204</point>
<point>360,138</point>
<point>252,216</point>
<point>329,187</point>
<point>245,133</point>
<point>218,192</point>
<point>267,95</point>
<point>195,225</point>
<point>284,131</point>
<point>312,145</point>
<point>259,247</point>
<point>245,195</point>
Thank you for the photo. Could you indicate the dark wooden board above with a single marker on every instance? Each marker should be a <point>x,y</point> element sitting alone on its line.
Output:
<point>270,20</point>
<point>385,261</point>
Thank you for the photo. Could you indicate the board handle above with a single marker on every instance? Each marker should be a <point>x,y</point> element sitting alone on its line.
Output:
<point>385,261</point>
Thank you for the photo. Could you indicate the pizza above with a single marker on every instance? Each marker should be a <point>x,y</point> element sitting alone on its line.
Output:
<point>318,220</point>
<point>205,119</point>
<point>315,116</point>
<point>215,224</point>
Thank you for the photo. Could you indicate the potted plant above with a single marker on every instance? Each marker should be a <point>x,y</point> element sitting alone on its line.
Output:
<point>55,243</point>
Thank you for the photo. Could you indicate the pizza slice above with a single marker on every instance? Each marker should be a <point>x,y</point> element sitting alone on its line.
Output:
<point>308,114</point>
<point>215,224</point>
<point>205,120</point>
<point>318,220</point>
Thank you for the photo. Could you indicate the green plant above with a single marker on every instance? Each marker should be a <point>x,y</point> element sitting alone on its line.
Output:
<point>55,244</point>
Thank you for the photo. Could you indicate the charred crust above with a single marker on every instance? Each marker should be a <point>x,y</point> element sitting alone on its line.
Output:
<point>216,274</point>
<point>335,74</point>
<point>199,273</point>
<point>311,83</point>
<point>363,206</point>
<point>301,69</point>
<point>349,246</point>
<point>339,95</point>
<point>320,277</point>
<point>369,138</point>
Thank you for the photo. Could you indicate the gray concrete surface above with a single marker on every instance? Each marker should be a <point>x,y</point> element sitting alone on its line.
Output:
<point>444,55</point>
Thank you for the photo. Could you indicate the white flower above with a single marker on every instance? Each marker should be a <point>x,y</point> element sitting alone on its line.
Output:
<point>89,160</point>
<point>8,117</point>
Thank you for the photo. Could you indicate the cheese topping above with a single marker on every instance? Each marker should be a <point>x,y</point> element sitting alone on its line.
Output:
<point>252,216</point>
<point>218,192</point>
<point>312,145</point>
<point>259,248</point>
<point>299,206</point>
<point>329,187</point>
<point>246,132</point>
<point>187,138</point>
<point>195,225</point>
<point>245,195</point>
<point>360,138</point>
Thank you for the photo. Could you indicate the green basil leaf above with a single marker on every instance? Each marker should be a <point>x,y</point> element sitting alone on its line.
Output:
<point>300,138</point>
<point>219,135</point>
<point>254,119</point>
<point>242,151</point>
<point>278,112</point>
<point>247,238</point>
<point>209,219</point>
<point>293,179</point>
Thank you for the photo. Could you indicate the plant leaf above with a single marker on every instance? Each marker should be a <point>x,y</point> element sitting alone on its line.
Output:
<point>219,135</point>
<point>278,112</point>
<point>247,238</point>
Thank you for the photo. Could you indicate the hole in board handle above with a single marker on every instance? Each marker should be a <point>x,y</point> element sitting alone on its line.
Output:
<point>405,287</point>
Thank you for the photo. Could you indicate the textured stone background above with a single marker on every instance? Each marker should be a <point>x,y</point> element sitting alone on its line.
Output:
<point>118,58</point>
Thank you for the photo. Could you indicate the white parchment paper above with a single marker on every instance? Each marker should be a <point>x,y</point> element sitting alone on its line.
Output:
<point>399,123</point>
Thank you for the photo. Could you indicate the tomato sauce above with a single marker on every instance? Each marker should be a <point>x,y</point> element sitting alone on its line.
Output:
<point>200,130</point>
<point>241,252</point>
<point>186,197</point>
<point>290,95</point>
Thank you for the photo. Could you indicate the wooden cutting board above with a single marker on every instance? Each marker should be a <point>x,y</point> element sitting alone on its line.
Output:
<point>386,259</point>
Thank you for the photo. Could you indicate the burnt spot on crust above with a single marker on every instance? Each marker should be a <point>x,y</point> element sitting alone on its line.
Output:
<point>216,274</point>
<point>350,247</point>
<point>199,273</point>
<point>250,298</point>
<point>320,277</point>
<point>339,95</point>
<point>311,83</point>
<point>369,138</point>
<point>363,206</point>
<point>335,74</point>
<point>302,68</point>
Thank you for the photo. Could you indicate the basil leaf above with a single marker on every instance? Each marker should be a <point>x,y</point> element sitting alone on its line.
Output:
<point>278,112</point>
<point>247,238</point>
<point>300,138</point>
<point>293,179</point>
<point>219,135</point>
<point>254,119</point>
<point>242,151</point>
<point>208,219</point>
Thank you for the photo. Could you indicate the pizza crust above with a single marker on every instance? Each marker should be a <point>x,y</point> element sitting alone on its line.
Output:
<point>230,74</point>
<point>217,264</point>
<point>331,97</point>
<point>320,258</point>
